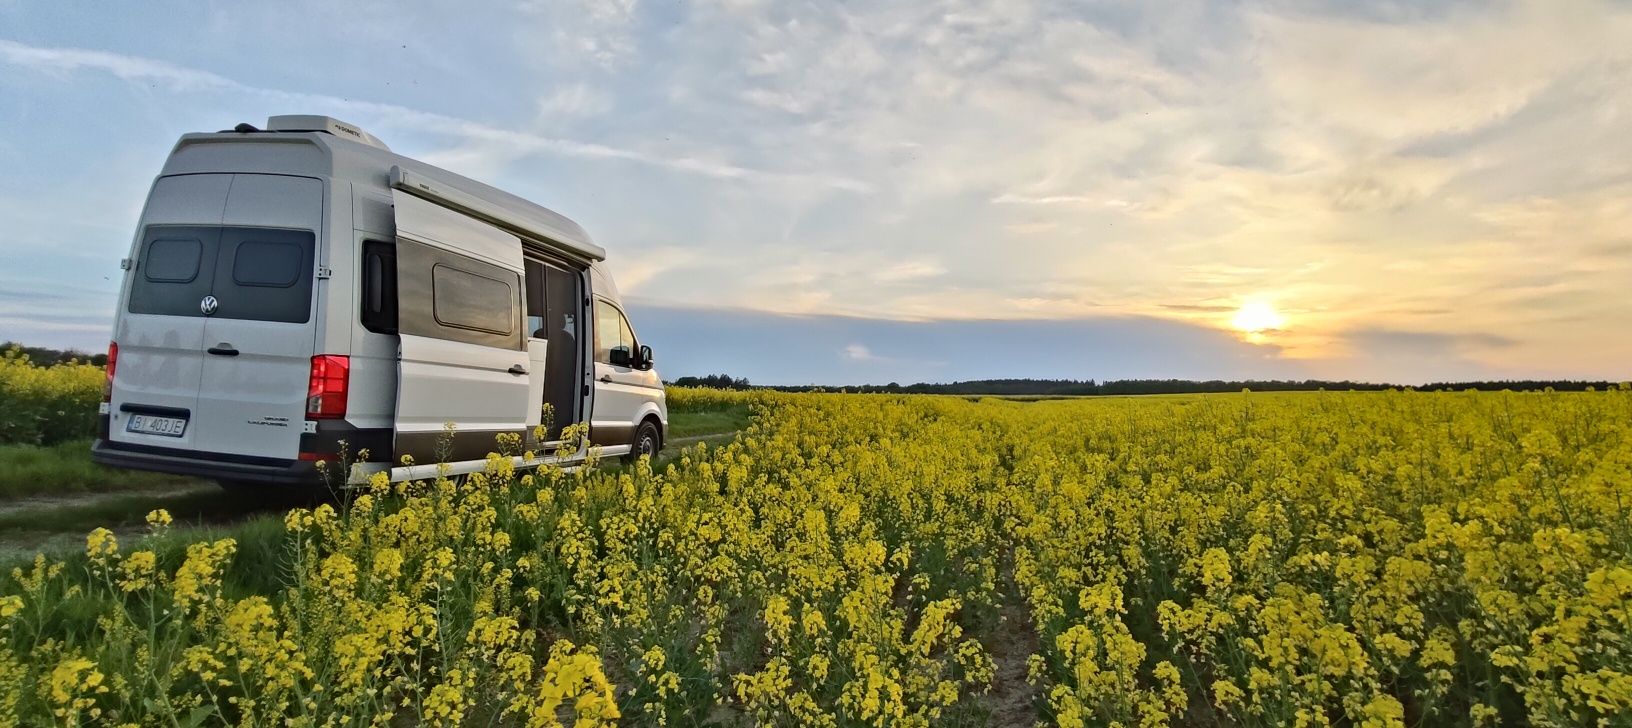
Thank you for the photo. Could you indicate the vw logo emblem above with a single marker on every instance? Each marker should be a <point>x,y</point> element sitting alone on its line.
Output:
<point>209,305</point>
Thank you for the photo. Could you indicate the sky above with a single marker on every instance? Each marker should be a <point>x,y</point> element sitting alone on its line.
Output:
<point>810,192</point>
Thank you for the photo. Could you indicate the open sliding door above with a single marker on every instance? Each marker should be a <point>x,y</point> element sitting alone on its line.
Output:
<point>554,311</point>
<point>463,357</point>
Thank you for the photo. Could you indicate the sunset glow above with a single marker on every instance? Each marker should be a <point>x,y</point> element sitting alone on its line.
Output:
<point>1257,317</point>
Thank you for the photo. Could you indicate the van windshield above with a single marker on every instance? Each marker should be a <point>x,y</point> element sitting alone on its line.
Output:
<point>255,274</point>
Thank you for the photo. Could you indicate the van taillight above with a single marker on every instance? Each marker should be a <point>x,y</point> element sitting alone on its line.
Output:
<point>326,394</point>
<point>113,361</point>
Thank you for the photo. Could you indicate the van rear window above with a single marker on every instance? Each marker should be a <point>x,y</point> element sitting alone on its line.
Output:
<point>265,275</point>
<point>254,274</point>
<point>172,260</point>
<point>266,264</point>
<point>174,270</point>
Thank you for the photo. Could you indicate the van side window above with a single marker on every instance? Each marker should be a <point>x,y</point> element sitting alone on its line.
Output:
<point>445,295</point>
<point>626,334</point>
<point>467,300</point>
<point>611,332</point>
<point>379,287</point>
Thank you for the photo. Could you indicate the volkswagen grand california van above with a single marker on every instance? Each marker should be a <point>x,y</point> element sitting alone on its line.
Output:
<point>301,293</point>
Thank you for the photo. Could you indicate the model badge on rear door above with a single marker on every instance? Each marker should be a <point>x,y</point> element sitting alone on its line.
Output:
<point>208,305</point>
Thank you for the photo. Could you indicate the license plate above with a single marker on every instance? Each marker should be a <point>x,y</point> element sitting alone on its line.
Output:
<point>155,425</point>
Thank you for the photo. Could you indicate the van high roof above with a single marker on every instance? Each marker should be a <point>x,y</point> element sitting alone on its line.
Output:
<point>370,164</point>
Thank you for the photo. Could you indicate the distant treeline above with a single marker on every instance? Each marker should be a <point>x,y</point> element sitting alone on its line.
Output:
<point>714,381</point>
<point>1089,387</point>
<point>1021,387</point>
<point>45,357</point>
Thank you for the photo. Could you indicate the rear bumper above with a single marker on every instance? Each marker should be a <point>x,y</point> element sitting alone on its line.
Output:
<point>205,465</point>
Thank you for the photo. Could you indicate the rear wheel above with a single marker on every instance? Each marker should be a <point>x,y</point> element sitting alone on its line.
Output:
<point>648,441</point>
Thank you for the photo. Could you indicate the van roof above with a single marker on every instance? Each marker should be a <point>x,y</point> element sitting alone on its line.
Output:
<point>364,160</point>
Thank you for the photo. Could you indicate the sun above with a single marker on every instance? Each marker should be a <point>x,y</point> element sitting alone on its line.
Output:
<point>1257,317</point>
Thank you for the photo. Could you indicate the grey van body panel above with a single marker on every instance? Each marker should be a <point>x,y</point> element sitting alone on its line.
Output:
<point>373,354</point>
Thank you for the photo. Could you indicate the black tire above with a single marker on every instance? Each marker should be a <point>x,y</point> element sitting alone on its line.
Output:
<point>648,441</point>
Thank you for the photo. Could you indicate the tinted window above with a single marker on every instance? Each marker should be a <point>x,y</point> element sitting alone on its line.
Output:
<point>172,260</point>
<point>255,274</point>
<point>468,300</point>
<point>265,275</point>
<point>276,265</point>
<point>379,287</point>
<point>444,295</point>
<point>168,279</point>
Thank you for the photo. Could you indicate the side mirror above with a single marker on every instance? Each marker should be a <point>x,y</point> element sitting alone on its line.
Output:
<point>619,357</point>
<point>645,357</point>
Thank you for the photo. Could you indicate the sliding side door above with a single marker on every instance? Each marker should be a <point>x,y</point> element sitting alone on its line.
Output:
<point>464,356</point>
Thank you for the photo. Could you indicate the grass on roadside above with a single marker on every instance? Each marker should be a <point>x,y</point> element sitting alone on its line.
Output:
<point>34,470</point>
<point>58,528</point>
<point>707,421</point>
<point>260,566</point>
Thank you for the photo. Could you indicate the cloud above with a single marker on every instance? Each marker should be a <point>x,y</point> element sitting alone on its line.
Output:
<point>857,352</point>
<point>1012,198</point>
<point>1200,307</point>
<point>1030,228</point>
<point>127,68</point>
<point>1424,342</point>
<point>512,142</point>
<point>908,271</point>
<point>635,271</point>
<point>1415,357</point>
<point>574,100</point>
<point>593,31</point>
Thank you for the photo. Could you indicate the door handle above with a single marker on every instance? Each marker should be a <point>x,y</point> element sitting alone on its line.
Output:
<point>517,369</point>
<point>223,350</point>
<point>606,379</point>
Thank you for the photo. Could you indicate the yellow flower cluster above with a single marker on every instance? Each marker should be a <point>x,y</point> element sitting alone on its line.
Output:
<point>45,405</point>
<point>1374,559</point>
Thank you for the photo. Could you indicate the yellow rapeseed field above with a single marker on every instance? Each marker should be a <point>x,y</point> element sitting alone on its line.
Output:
<point>1375,559</point>
<point>44,405</point>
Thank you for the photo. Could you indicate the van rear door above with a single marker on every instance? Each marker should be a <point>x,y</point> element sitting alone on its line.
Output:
<point>258,343</point>
<point>160,333</point>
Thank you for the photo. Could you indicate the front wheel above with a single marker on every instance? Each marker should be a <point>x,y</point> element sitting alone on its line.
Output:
<point>648,441</point>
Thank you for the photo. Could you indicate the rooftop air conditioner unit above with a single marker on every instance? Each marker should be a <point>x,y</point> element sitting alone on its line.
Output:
<point>326,124</point>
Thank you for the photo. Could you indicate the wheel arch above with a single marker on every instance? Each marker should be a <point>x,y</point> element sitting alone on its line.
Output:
<point>662,434</point>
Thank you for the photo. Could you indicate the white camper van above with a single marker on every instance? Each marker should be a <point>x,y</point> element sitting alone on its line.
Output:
<point>299,290</point>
